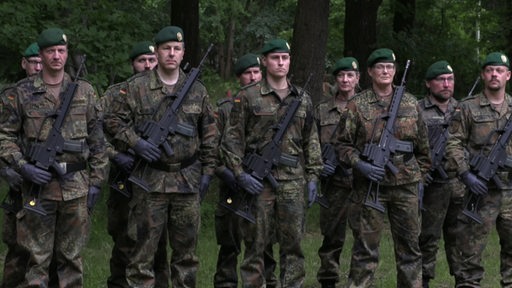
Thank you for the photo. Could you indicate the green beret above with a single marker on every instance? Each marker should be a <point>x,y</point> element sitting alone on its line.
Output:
<point>438,68</point>
<point>381,55</point>
<point>496,59</point>
<point>144,47</point>
<point>345,64</point>
<point>275,45</point>
<point>31,51</point>
<point>169,33</point>
<point>51,37</point>
<point>247,61</point>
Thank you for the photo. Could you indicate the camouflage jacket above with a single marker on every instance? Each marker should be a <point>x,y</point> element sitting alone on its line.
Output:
<point>222,116</point>
<point>146,99</point>
<point>107,101</point>
<point>27,117</point>
<point>363,126</point>
<point>256,111</point>
<point>471,129</point>
<point>436,121</point>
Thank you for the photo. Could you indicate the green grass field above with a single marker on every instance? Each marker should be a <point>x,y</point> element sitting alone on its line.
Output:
<point>97,252</point>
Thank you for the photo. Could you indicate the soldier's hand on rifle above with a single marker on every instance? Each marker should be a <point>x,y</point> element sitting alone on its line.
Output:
<point>229,178</point>
<point>370,171</point>
<point>250,184</point>
<point>428,179</point>
<point>147,151</point>
<point>312,193</point>
<point>328,170</point>
<point>124,161</point>
<point>12,177</point>
<point>203,186</point>
<point>92,197</point>
<point>474,184</point>
<point>35,175</point>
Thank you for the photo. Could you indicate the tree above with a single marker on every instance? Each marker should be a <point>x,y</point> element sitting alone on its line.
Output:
<point>403,19</point>
<point>185,14</point>
<point>309,44</point>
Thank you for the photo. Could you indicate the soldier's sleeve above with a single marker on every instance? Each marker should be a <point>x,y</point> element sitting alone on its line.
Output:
<point>10,129</point>
<point>312,150</point>
<point>222,118</point>
<point>346,139</point>
<point>233,142</point>
<point>119,122</point>
<point>457,138</point>
<point>106,103</point>
<point>209,139</point>
<point>422,147</point>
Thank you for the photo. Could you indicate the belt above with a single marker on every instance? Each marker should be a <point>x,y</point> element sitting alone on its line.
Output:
<point>174,167</point>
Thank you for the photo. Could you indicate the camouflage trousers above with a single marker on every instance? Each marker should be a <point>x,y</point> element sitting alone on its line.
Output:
<point>229,236</point>
<point>283,211</point>
<point>180,213</point>
<point>61,234</point>
<point>333,224</point>
<point>495,209</point>
<point>119,207</point>
<point>16,257</point>
<point>442,203</point>
<point>401,204</point>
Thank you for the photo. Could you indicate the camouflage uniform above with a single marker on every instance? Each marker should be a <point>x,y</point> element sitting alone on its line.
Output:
<point>227,226</point>
<point>256,111</point>
<point>59,234</point>
<point>337,189</point>
<point>118,215</point>
<point>470,130</point>
<point>173,180</point>
<point>398,193</point>
<point>442,199</point>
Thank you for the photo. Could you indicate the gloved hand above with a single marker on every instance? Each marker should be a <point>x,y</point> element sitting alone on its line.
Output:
<point>147,151</point>
<point>35,175</point>
<point>474,184</point>
<point>124,161</point>
<point>428,179</point>
<point>12,177</point>
<point>92,197</point>
<point>203,186</point>
<point>328,170</point>
<point>250,184</point>
<point>312,193</point>
<point>229,178</point>
<point>370,171</point>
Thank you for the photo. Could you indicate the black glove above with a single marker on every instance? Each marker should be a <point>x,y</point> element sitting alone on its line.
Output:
<point>370,171</point>
<point>428,179</point>
<point>203,186</point>
<point>12,177</point>
<point>229,178</point>
<point>35,175</point>
<point>124,161</point>
<point>250,184</point>
<point>312,193</point>
<point>474,184</point>
<point>147,151</point>
<point>328,170</point>
<point>92,197</point>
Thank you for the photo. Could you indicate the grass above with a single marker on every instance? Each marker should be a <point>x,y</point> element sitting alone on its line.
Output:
<point>96,254</point>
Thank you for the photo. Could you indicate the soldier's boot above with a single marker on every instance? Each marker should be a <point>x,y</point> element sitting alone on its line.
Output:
<point>328,284</point>
<point>425,282</point>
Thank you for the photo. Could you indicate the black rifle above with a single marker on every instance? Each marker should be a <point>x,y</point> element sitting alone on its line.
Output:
<point>380,154</point>
<point>260,165</point>
<point>474,86</point>
<point>437,142</point>
<point>44,155</point>
<point>156,133</point>
<point>240,203</point>
<point>486,167</point>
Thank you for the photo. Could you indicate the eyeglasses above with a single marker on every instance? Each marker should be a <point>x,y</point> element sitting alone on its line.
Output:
<point>444,79</point>
<point>34,62</point>
<point>382,67</point>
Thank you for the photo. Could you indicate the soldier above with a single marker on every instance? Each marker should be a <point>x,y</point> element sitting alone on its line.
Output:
<point>31,61</point>
<point>398,193</point>
<point>474,130</point>
<point>175,182</point>
<point>336,180</point>
<point>142,57</point>
<point>64,199</point>
<point>256,111</point>
<point>443,197</point>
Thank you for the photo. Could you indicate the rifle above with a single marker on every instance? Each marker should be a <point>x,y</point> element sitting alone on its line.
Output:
<point>156,133</point>
<point>260,165</point>
<point>438,145</point>
<point>486,167</point>
<point>380,154</point>
<point>44,155</point>
<point>474,85</point>
<point>240,203</point>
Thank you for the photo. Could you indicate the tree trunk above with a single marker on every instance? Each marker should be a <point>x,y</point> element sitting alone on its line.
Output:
<point>405,12</point>
<point>185,14</point>
<point>361,32</point>
<point>309,45</point>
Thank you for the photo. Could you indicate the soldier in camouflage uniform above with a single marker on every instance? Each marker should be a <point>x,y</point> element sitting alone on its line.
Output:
<point>142,58</point>
<point>336,180</point>
<point>257,109</point>
<point>399,193</point>
<point>176,182</point>
<point>474,129</point>
<point>443,197</point>
<point>66,199</point>
<point>227,229</point>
